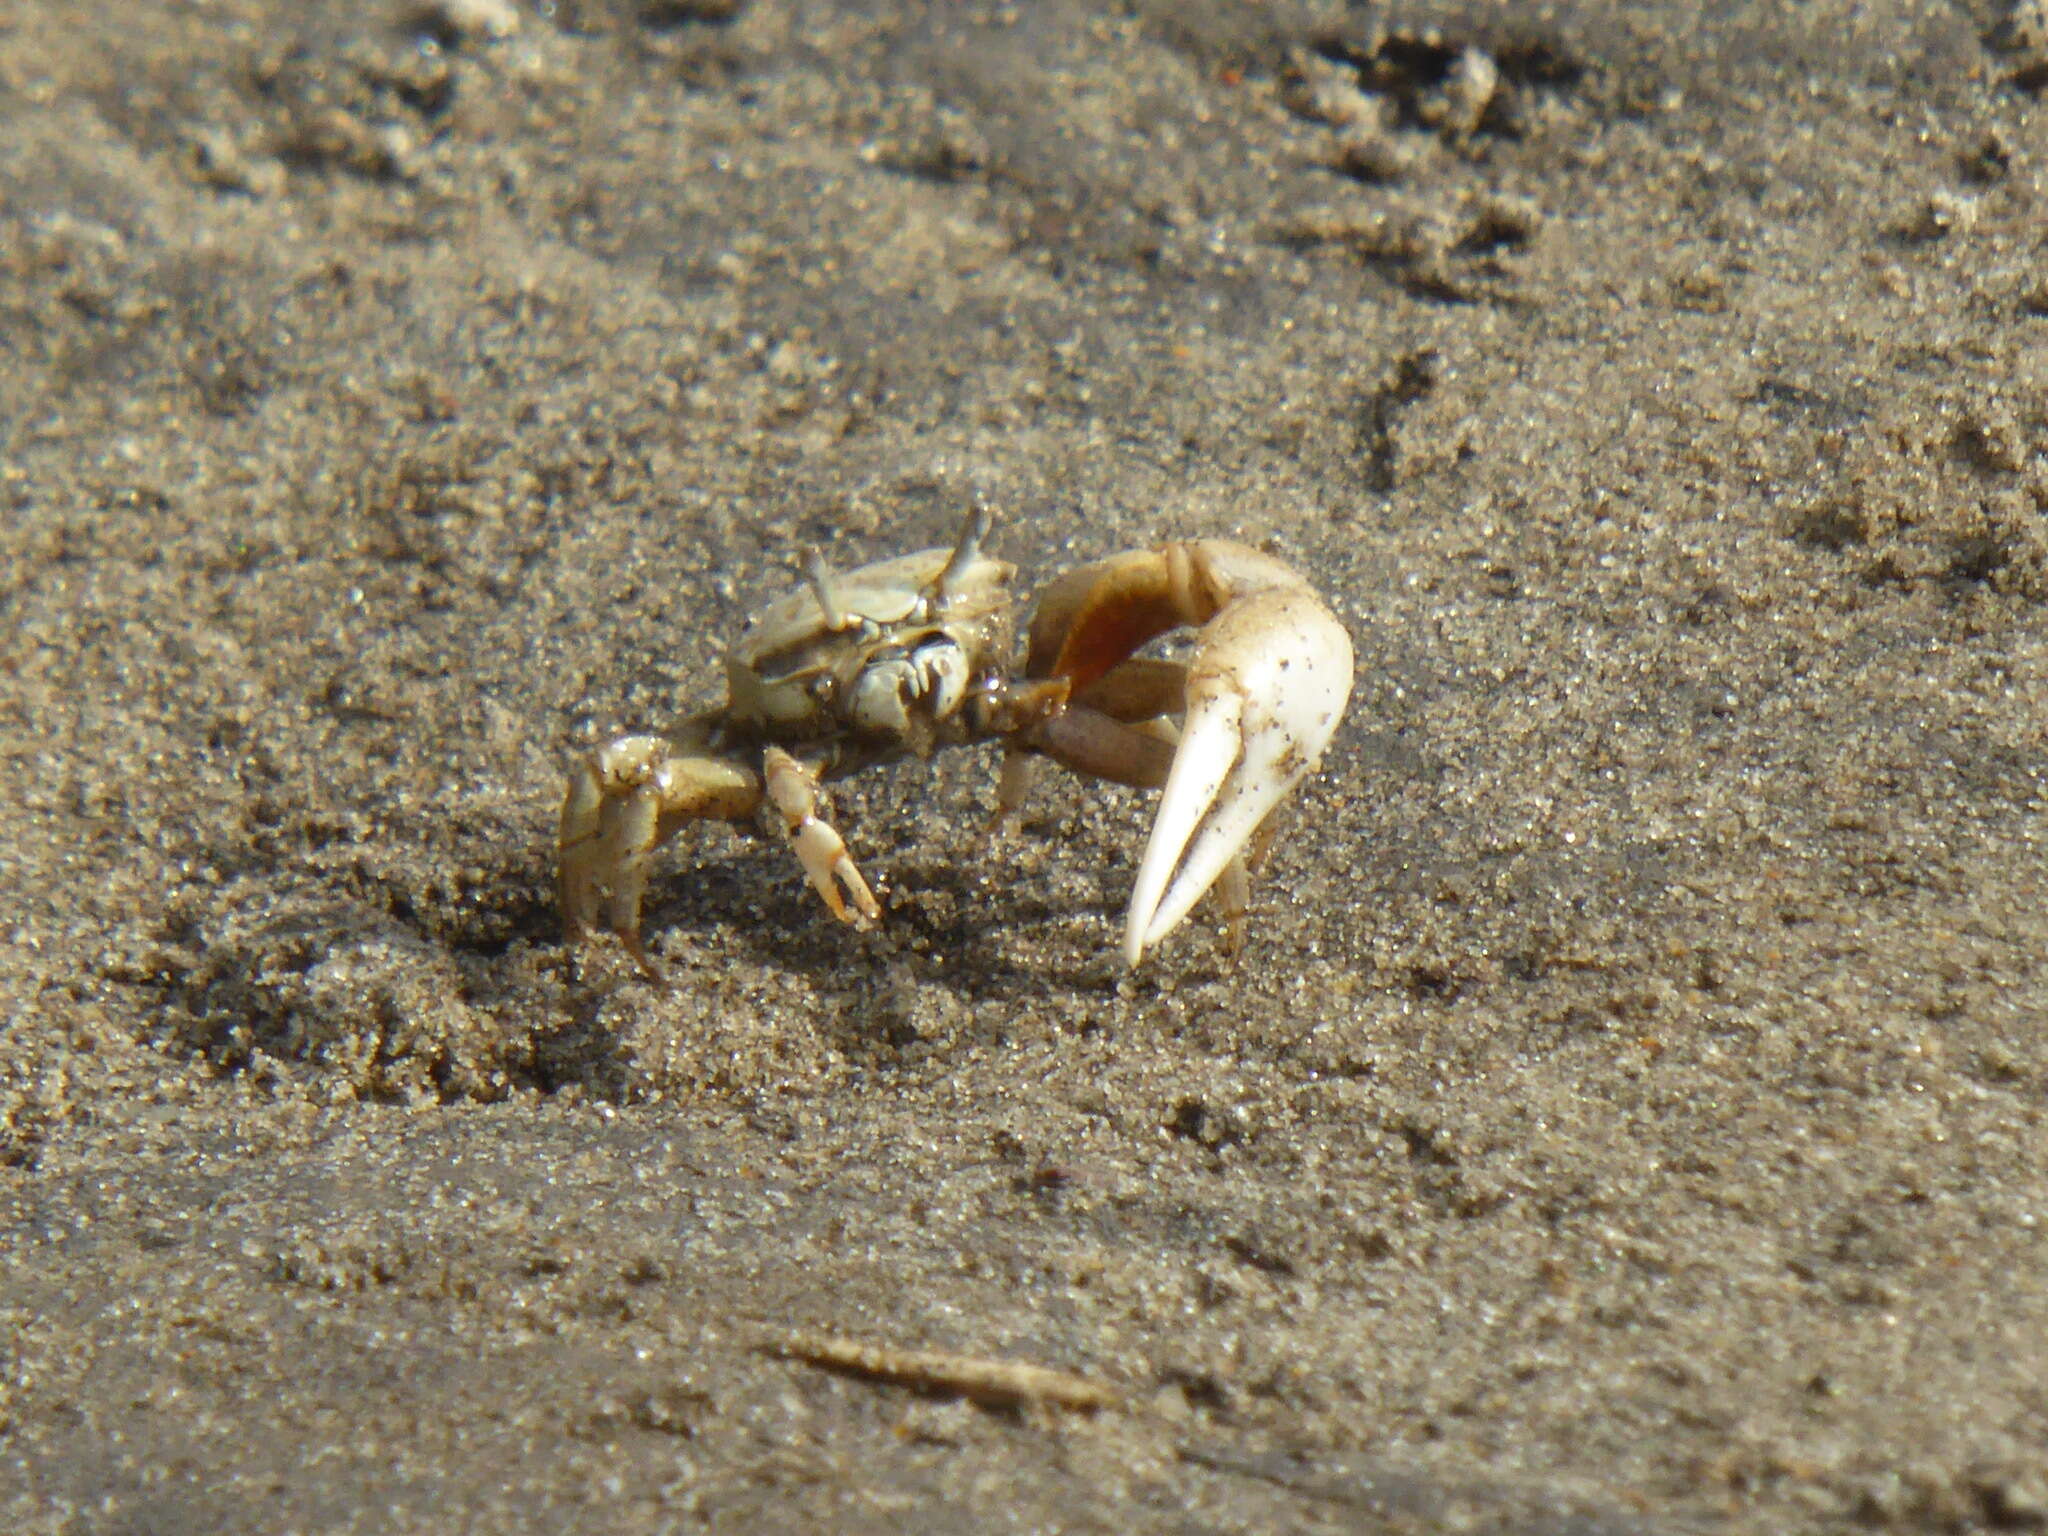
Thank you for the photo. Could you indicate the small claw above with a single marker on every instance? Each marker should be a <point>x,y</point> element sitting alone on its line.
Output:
<point>1264,696</point>
<point>793,801</point>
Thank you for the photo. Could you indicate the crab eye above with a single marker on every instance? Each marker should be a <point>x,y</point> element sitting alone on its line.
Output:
<point>880,696</point>
<point>941,676</point>
<point>931,681</point>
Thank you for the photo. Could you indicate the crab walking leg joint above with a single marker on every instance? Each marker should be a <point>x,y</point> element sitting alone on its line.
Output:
<point>907,656</point>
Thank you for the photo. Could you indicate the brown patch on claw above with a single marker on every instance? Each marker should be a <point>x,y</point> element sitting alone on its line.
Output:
<point>1094,617</point>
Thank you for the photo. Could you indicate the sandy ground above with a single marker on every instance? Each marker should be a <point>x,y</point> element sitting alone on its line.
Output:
<point>1627,1114</point>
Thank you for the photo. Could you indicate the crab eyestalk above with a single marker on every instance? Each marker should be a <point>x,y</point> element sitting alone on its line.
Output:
<point>965,553</point>
<point>826,591</point>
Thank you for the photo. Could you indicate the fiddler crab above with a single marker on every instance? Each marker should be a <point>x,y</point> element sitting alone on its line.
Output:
<point>909,655</point>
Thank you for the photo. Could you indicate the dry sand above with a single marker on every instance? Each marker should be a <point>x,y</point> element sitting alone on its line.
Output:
<point>1628,1112</point>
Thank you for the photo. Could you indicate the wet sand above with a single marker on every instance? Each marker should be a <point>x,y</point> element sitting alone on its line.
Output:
<point>1627,1111</point>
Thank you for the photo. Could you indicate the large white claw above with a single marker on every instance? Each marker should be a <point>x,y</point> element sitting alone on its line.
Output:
<point>1264,695</point>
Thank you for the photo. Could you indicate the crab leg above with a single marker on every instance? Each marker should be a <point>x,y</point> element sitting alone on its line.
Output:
<point>1263,695</point>
<point>624,801</point>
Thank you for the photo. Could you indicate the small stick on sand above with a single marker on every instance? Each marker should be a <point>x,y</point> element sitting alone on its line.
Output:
<point>989,1382</point>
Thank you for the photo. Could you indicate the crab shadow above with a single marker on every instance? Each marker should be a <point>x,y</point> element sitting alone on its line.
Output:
<point>942,926</point>
<point>978,936</point>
